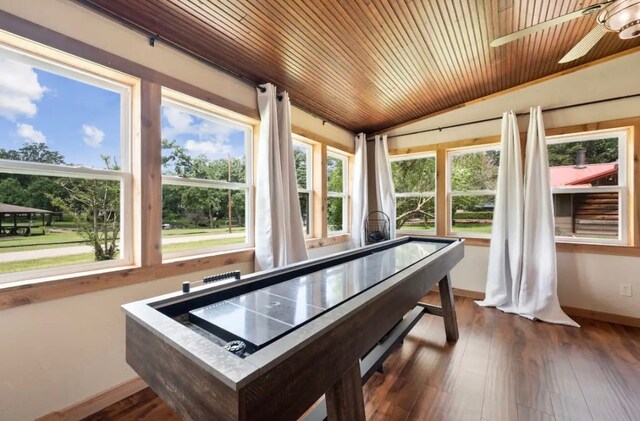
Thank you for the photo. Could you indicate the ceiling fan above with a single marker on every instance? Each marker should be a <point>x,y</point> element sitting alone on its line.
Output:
<point>620,16</point>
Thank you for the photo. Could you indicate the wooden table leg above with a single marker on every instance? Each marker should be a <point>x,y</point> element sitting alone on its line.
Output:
<point>448,308</point>
<point>344,400</point>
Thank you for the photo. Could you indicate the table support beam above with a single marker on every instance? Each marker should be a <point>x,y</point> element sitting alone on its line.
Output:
<point>448,309</point>
<point>344,399</point>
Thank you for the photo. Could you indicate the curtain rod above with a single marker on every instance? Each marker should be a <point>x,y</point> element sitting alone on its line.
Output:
<point>153,38</point>
<point>451,126</point>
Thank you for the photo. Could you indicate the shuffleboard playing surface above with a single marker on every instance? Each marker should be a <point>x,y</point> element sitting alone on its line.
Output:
<point>264,315</point>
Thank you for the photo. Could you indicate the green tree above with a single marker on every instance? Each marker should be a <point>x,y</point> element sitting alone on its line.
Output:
<point>33,152</point>
<point>335,180</point>
<point>414,176</point>
<point>95,207</point>
<point>597,152</point>
<point>473,171</point>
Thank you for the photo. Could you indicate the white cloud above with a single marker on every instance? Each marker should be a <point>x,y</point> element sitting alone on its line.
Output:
<point>29,134</point>
<point>19,90</point>
<point>208,148</point>
<point>181,123</point>
<point>92,136</point>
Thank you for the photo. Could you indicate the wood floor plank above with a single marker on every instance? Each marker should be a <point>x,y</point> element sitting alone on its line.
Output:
<point>529,414</point>
<point>600,397</point>
<point>532,371</point>
<point>500,400</point>
<point>530,367</point>
<point>467,397</point>
<point>432,404</point>
<point>570,409</point>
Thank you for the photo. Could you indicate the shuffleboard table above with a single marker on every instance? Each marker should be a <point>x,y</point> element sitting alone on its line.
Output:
<point>269,345</point>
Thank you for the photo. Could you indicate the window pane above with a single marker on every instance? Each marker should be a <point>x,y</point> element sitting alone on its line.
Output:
<point>587,215</point>
<point>414,175</point>
<point>198,218</point>
<point>472,214</point>
<point>304,209</point>
<point>49,222</point>
<point>334,214</point>
<point>300,156</point>
<point>335,175</point>
<point>584,164</point>
<point>415,213</point>
<point>475,170</point>
<point>47,117</point>
<point>197,145</point>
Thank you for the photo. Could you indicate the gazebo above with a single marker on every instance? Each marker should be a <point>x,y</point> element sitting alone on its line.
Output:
<point>13,212</point>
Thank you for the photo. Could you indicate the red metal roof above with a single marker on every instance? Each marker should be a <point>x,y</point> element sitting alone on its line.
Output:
<point>569,175</point>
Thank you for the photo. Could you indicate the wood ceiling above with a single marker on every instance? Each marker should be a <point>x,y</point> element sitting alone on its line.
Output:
<point>367,65</point>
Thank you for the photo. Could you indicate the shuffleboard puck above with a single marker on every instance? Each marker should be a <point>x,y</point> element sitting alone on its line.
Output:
<point>236,347</point>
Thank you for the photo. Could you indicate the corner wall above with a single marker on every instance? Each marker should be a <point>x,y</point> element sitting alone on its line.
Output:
<point>585,281</point>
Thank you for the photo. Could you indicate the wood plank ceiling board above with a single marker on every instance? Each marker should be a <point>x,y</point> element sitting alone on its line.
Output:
<point>367,65</point>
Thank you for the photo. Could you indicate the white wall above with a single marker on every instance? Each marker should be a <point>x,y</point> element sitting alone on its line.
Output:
<point>57,353</point>
<point>587,281</point>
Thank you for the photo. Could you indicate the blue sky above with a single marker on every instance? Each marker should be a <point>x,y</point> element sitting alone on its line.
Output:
<point>79,120</point>
<point>82,121</point>
<point>208,137</point>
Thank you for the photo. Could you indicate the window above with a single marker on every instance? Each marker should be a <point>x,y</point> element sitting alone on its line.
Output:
<point>588,176</point>
<point>414,178</point>
<point>472,179</point>
<point>303,157</point>
<point>206,177</point>
<point>336,193</point>
<point>65,176</point>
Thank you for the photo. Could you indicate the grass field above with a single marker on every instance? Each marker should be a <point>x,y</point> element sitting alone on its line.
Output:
<point>46,262</point>
<point>475,228</point>
<point>198,231</point>
<point>42,242</point>
<point>206,244</point>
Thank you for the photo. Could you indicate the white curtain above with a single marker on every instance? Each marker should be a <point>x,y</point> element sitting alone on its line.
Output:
<point>538,297</point>
<point>522,273</point>
<point>279,230</point>
<point>505,253</point>
<point>360,197</point>
<point>386,196</point>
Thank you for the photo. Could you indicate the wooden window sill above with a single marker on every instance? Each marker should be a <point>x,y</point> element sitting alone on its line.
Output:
<point>44,289</point>
<point>614,250</point>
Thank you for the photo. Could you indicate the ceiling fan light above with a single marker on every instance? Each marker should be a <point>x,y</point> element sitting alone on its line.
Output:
<point>622,16</point>
<point>630,30</point>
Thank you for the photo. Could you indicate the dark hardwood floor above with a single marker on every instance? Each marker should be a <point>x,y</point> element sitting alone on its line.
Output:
<point>503,367</point>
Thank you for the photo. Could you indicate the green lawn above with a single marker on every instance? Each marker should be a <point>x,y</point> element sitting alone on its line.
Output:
<point>199,231</point>
<point>206,244</point>
<point>475,228</point>
<point>416,227</point>
<point>46,262</point>
<point>49,262</point>
<point>39,241</point>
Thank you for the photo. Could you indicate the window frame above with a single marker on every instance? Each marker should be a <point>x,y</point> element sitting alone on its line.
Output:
<point>450,194</point>
<point>622,188</point>
<point>410,157</point>
<point>335,154</point>
<point>309,190</point>
<point>203,110</point>
<point>127,87</point>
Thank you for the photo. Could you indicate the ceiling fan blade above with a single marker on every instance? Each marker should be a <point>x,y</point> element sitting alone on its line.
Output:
<point>585,44</point>
<point>549,23</point>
